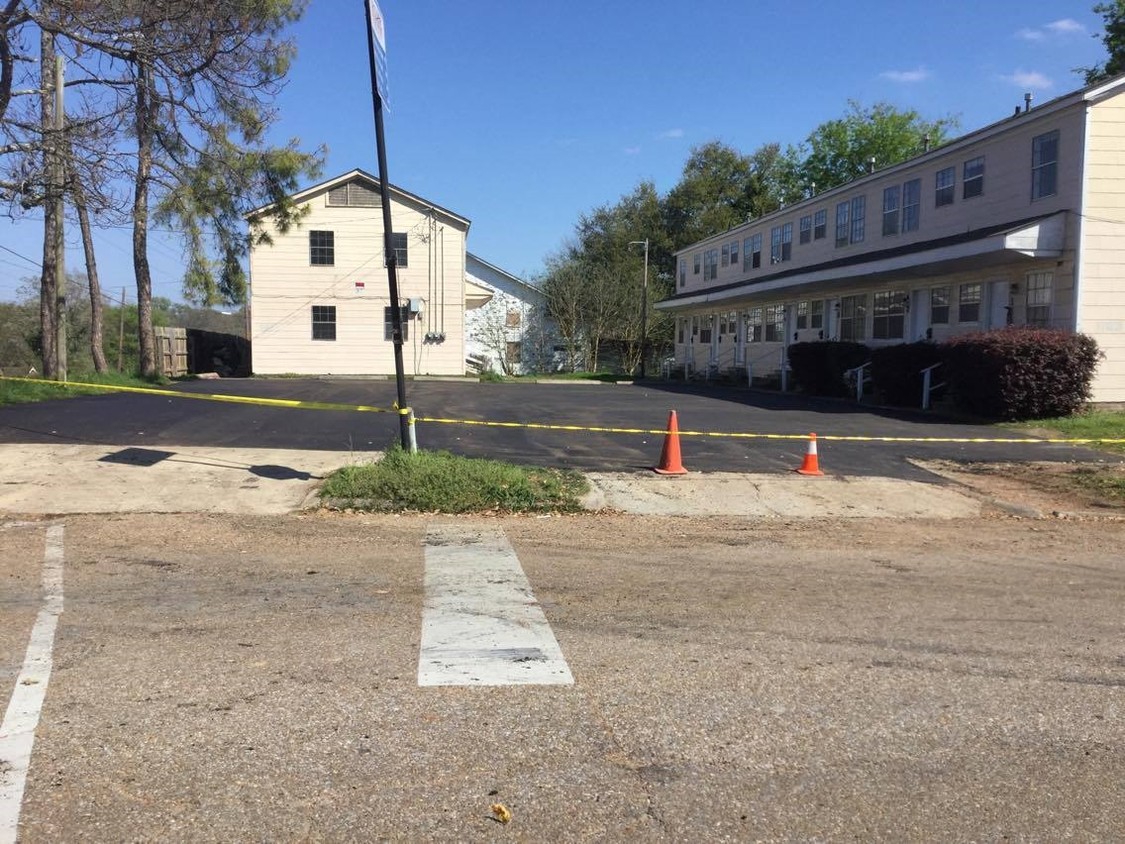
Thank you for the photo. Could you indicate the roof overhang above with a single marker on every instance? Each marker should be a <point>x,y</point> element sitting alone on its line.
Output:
<point>476,296</point>
<point>1039,238</point>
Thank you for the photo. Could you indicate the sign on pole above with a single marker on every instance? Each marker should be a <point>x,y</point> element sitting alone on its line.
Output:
<point>378,30</point>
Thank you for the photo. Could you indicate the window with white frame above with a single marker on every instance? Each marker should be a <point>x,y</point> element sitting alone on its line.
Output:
<point>939,306</point>
<point>726,255</point>
<point>820,224</point>
<point>802,315</point>
<point>888,315</point>
<point>683,271</point>
<point>859,213</point>
<point>746,243</point>
<point>781,243</point>
<point>853,317</point>
<point>968,303</point>
<point>944,186</point>
<point>1039,298</point>
<point>754,325</point>
<point>705,325</point>
<point>388,322</point>
<point>911,205</point>
<point>842,227</point>
<point>972,177</point>
<point>775,323</point>
<point>695,262</point>
<point>806,229</point>
<point>890,210</point>
<point>816,313</point>
<point>734,253</point>
<point>756,251</point>
<point>710,264</point>
<point>324,322</point>
<point>723,324</point>
<point>1045,165</point>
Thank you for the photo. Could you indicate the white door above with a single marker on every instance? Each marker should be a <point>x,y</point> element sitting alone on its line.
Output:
<point>919,314</point>
<point>999,304</point>
<point>740,338</point>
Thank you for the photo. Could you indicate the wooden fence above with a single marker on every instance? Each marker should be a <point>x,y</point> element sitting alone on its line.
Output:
<point>171,351</point>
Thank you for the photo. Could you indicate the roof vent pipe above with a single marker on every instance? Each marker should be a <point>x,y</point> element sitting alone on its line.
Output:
<point>926,143</point>
<point>871,164</point>
<point>1027,102</point>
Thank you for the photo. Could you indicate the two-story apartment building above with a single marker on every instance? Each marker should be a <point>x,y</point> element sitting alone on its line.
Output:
<point>319,301</point>
<point>1019,223</point>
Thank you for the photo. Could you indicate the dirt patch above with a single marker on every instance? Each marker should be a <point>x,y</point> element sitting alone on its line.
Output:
<point>1085,490</point>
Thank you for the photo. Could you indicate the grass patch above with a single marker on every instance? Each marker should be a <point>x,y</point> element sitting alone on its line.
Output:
<point>437,481</point>
<point>1093,424</point>
<point>1101,484</point>
<point>36,390</point>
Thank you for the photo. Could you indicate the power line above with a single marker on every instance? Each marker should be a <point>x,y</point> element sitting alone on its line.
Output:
<point>18,255</point>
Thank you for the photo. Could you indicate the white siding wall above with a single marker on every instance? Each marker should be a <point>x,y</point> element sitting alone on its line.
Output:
<point>487,329</point>
<point>1102,310</point>
<point>285,287</point>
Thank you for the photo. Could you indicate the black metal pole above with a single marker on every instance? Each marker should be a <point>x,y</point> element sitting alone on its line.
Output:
<point>388,240</point>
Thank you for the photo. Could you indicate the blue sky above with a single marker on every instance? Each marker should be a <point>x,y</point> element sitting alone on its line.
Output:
<point>523,115</point>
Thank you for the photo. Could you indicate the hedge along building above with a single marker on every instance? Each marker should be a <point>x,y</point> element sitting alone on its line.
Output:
<point>1019,223</point>
<point>319,301</point>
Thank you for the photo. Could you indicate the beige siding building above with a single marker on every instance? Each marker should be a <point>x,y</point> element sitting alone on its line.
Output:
<point>319,301</point>
<point>1019,223</point>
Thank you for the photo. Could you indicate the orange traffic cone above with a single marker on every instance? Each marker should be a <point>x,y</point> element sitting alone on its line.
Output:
<point>811,464</point>
<point>670,455</point>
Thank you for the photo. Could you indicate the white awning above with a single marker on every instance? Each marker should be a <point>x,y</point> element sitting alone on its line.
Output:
<point>476,296</point>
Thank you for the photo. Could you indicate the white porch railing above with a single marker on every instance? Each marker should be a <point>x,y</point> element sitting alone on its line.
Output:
<point>928,385</point>
<point>859,378</point>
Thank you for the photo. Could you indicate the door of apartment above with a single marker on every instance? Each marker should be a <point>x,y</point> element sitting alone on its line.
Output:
<point>740,339</point>
<point>713,322</point>
<point>831,319</point>
<point>999,304</point>
<point>919,314</point>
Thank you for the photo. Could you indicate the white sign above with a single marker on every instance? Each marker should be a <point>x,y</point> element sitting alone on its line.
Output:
<point>379,33</point>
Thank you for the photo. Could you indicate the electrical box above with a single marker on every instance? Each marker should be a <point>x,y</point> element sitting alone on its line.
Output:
<point>414,305</point>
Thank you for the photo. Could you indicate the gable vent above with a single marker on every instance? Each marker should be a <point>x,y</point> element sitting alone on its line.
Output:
<point>353,194</point>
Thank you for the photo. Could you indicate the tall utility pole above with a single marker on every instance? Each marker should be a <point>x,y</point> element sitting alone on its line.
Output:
<point>58,181</point>
<point>406,415</point>
<point>644,305</point>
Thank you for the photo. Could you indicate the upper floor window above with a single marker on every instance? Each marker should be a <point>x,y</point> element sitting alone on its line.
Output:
<point>322,248</point>
<point>324,322</point>
<point>939,306</point>
<point>842,223</point>
<point>806,228</point>
<point>695,260</point>
<point>820,224</point>
<point>734,253</point>
<point>890,210</point>
<point>859,212</point>
<point>1045,165</point>
<point>888,315</point>
<point>781,243</point>
<point>683,273</point>
<point>853,317</point>
<point>1039,298</point>
<point>710,264</point>
<point>911,205</point>
<point>398,242</point>
<point>726,255</point>
<point>972,182</point>
<point>943,186</point>
<point>389,325</point>
<point>746,243</point>
<point>755,251</point>
<point>968,303</point>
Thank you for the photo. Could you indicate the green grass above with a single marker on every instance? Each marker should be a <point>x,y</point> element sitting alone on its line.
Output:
<point>1101,483</point>
<point>1094,424</point>
<point>36,390</point>
<point>437,481</point>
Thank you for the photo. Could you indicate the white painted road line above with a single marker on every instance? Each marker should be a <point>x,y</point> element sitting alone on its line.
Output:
<point>481,625</point>
<point>17,733</point>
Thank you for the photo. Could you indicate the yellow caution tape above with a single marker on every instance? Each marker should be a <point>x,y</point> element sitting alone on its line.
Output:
<point>544,426</point>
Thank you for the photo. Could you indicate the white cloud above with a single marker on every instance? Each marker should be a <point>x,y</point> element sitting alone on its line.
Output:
<point>632,150</point>
<point>1055,29</point>
<point>1026,79</point>
<point>672,133</point>
<point>1066,26</point>
<point>919,74</point>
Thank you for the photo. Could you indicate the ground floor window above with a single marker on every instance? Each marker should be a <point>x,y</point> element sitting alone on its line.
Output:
<point>968,303</point>
<point>514,353</point>
<point>1039,298</point>
<point>705,325</point>
<point>816,313</point>
<point>939,306</point>
<point>754,325</point>
<point>775,323</point>
<point>324,322</point>
<point>888,314</point>
<point>853,317</point>
<point>388,323</point>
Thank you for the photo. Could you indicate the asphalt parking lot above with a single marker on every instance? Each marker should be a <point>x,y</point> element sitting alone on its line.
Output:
<point>152,421</point>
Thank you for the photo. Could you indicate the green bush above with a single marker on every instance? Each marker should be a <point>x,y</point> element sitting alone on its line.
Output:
<point>818,368</point>
<point>1020,373</point>
<point>896,371</point>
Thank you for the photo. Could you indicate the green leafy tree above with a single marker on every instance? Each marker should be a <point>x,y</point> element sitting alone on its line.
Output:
<point>1113,37</point>
<point>879,136</point>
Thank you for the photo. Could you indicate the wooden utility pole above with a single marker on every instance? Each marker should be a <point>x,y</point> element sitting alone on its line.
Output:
<point>58,179</point>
